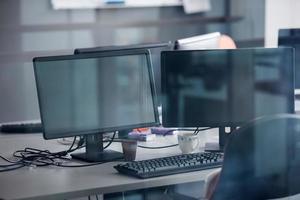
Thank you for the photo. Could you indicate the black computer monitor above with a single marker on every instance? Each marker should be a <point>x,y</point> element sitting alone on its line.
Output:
<point>291,38</point>
<point>225,88</point>
<point>90,94</point>
<point>154,48</point>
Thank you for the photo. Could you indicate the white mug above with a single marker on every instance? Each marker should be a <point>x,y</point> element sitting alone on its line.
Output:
<point>188,142</point>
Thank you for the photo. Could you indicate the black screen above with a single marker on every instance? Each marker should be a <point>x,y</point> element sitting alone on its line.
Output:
<point>291,38</point>
<point>225,87</point>
<point>83,94</point>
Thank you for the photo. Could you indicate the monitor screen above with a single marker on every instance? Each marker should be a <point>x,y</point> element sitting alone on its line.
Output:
<point>94,93</point>
<point>155,51</point>
<point>213,88</point>
<point>291,38</point>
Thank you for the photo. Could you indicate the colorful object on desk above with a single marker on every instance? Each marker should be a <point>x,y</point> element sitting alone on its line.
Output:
<point>141,129</point>
<point>162,131</point>
<point>142,136</point>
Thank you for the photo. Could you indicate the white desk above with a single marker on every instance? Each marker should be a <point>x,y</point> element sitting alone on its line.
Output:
<point>61,183</point>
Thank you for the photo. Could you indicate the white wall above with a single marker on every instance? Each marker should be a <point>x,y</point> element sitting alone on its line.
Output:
<point>280,14</point>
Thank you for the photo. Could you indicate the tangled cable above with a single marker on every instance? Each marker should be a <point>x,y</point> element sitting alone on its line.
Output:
<point>39,158</point>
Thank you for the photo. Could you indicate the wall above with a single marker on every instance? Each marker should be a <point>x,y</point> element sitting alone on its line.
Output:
<point>252,26</point>
<point>32,28</point>
<point>280,14</point>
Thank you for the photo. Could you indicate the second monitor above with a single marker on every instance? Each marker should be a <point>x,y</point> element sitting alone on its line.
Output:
<point>154,48</point>
<point>226,88</point>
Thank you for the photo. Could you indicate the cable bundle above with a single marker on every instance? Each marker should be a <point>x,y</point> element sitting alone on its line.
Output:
<point>38,158</point>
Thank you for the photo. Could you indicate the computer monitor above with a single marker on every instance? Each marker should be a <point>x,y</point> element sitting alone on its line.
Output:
<point>291,38</point>
<point>206,41</point>
<point>91,94</point>
<point>225,88</point>
<point>154,48</point>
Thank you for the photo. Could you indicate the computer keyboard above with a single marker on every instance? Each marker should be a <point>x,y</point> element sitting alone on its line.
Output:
<point>22,128</point>
<point>171,165</point>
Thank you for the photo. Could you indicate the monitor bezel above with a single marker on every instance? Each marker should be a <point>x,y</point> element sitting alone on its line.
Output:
<point>283,37</point>
<point>123,47</point>
<point>69,133</point>
<point>282,30</point>
<point>291,99</point>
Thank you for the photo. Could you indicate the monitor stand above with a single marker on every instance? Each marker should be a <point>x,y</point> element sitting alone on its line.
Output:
<point>95,152</point>
<point>223,137</point>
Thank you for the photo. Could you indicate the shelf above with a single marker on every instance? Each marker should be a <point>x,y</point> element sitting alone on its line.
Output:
<point>57,5</point>
<point>149,23</point>
<point>256,42</point>
<point>22,57</point>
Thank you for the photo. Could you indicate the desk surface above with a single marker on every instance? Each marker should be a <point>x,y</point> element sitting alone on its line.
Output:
<point>57,183</point>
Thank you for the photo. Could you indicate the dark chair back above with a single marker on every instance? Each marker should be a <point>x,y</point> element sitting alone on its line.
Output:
<point>262,160</point>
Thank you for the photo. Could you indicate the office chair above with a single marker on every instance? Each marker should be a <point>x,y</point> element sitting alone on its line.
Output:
<point>262,160</point>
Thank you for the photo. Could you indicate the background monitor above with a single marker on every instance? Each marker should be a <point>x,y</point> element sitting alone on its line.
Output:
<point>206,41</point>
<point>291,38</point>
<point>95,93</point>
<point>155,51</point>
<point>225,88</point>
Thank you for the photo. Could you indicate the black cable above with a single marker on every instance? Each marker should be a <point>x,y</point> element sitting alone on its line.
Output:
<point>91,164</point>
<point>31,156</point>
<point>204,129</point>
<point>10,169</point>
<point>70,149</point>
<point>196,131</point>
<point>58,164</point>
<point>161,147</point>
<point>79,145</point>
<point>7,160</point>
<point>79,165</point>
<point>111,140</point>
<point>36,157</point>
<point>64,153</point>
<point>186,129</point>
<point>10,165</point>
